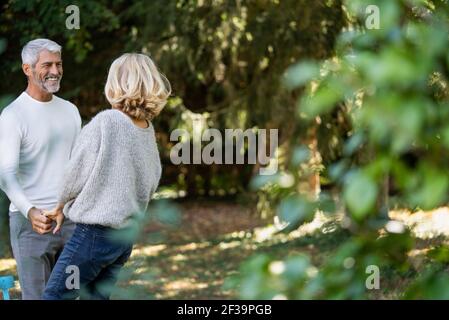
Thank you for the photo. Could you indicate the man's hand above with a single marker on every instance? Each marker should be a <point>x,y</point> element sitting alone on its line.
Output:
<point>56,215</point>
<point>40,223</point>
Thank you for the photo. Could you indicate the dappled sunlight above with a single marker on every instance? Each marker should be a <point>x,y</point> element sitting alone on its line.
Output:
<point>268,233</point>
<point>424,224</point>
<point>188,284</point>
<point>150,250</point>
<point>238,235</point>
<point>7,265</point>
<point>139,282</point>
<point>179,257</point>
<point>169,193</point>
<point>194,246</point>
<point>140,270</point>
<point>418,252</point>
<point>264,233</point>
<point>228,245</point>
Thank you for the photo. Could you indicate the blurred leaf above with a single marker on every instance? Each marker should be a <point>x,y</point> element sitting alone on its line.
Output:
<point>295,210</point>
<point>433,188</point>
<point>300,154</point>
<point>261,181</point>
<point>432,284</point>
<point>165,212</point>
<point>353,143</point>
<point>296,267</point>
<point>300,74</point>
<point>322,101</point>
<point>440,254</point>
<point>360,194</point>
<point>326,203</point>
<point>338,169</point>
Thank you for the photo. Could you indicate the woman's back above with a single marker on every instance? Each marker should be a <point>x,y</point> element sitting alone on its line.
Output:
<point>118,173</point>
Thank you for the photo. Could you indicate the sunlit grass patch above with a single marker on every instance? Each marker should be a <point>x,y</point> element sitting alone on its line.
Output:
<point>197,267</point>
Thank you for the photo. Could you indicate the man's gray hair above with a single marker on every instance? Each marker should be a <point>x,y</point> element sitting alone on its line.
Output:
<point>31,51</point>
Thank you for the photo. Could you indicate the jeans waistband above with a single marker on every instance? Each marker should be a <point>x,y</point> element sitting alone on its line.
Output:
<point>94,226</point>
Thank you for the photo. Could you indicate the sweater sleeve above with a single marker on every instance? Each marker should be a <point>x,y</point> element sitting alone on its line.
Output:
<point>82,161</point>
<point>10,142</point>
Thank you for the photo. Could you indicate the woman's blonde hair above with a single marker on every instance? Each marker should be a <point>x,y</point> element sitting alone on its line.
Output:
<point>136,87</point>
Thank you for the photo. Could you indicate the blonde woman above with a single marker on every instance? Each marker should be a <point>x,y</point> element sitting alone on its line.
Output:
<point>112,174</point>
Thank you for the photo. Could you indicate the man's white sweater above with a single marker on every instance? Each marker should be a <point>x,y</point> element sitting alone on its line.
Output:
<point>36,139</point>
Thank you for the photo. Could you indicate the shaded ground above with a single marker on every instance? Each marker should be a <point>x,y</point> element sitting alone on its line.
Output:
<point>193,260</point>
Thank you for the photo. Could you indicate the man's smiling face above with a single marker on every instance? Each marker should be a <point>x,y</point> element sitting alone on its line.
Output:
<point>47,72</point>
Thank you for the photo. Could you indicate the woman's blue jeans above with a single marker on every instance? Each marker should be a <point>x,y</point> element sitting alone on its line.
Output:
<point>88,266</point>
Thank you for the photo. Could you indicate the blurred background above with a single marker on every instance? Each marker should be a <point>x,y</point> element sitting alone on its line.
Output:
<point>358,91</point>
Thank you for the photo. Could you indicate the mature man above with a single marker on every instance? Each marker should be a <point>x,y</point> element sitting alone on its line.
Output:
<point>37,133</point>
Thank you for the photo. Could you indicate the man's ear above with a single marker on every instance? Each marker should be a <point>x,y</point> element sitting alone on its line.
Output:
<point>27,69</point>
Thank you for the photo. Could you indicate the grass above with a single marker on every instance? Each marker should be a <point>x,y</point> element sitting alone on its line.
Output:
<point>193,260</point>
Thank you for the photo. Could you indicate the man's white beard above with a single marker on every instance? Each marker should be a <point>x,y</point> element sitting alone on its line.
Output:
<point>47,85</point>
<point>52,88</point>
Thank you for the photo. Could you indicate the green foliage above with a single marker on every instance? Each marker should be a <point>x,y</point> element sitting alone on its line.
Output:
<point>360,194</point>
<point>390,83</point>
<point>432,284</point>
<point>343,275</point>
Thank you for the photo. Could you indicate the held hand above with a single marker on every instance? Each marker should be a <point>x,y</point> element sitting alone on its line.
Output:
<point>55,215</point>
<point>40,223</point>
